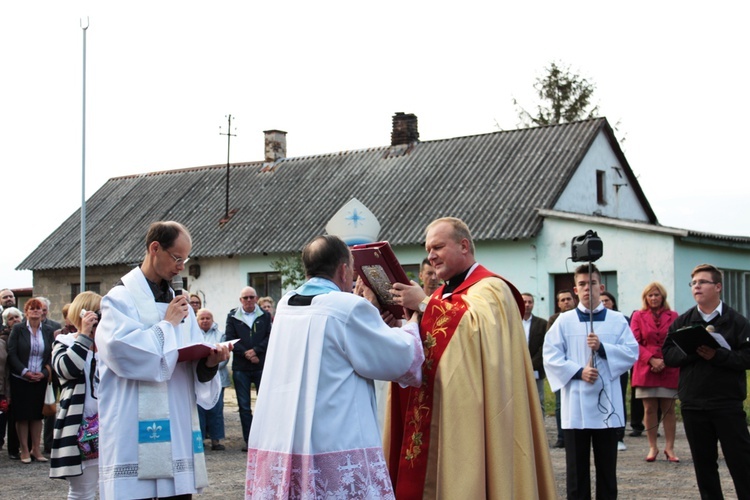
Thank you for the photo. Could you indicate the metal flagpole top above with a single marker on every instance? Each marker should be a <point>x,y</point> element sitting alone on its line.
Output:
<point>84,28</point>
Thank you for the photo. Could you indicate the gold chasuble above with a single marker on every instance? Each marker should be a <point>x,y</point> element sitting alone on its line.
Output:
<point>474,429</point>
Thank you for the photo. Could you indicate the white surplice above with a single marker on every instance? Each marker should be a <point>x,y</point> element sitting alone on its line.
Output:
<point>131,351</point>
<point>315,430</point>
<point>565,352</point>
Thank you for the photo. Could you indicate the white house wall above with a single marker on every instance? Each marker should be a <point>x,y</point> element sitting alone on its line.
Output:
<point>219,285</point>
<point>579,195</point>
<point>638,257</point>
<point>516,261</point>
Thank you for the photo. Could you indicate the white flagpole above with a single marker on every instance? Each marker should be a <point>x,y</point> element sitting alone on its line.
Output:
<point>83,166</point>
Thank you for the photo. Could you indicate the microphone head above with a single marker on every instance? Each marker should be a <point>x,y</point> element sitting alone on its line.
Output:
<point>711,329</point>
<point>177,284</point>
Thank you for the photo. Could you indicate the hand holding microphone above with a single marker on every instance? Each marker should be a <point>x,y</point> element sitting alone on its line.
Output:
<point>178,308</point>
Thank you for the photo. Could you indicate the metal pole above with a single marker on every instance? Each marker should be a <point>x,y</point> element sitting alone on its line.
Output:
<point>83,165</point>
<point>229,139</point>
<point>229,135</point>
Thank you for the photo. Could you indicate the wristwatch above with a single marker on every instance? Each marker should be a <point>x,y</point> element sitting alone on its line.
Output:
<point>423,305</point>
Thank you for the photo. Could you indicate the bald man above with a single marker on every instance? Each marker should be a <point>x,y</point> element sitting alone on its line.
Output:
<point>252,326</point>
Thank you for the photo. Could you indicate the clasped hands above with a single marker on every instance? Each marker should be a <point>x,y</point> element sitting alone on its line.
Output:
<point>252,356</point>
<point>34,376</point>
<point>656,364</point>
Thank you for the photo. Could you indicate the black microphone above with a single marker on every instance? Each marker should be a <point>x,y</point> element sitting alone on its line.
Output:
<point>177,287</point>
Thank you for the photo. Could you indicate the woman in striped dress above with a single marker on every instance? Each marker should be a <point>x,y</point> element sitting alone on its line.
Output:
<point>75,439</point>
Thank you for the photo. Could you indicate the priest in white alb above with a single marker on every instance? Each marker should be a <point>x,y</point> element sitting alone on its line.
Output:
<point>150,444</point>
<point>315,432</point>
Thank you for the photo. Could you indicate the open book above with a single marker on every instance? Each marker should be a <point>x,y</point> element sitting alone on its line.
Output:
<point>200,350</point>
<point>690,338</point>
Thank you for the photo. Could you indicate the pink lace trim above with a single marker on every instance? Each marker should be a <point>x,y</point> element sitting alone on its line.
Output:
<point>359,473</point>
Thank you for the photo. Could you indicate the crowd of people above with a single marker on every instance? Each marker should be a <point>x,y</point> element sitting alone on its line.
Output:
<point>133,416</point>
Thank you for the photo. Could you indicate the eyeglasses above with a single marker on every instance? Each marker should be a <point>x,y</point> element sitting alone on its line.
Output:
<point>177,260</point>
<point>248,297</point>
<point>701,283</point>
<point>194,303</point>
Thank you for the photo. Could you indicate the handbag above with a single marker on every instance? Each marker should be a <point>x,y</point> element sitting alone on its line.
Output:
<point>88,437</point>
<point>50,401</point>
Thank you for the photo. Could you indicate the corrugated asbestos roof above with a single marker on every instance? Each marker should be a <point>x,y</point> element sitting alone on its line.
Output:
<point>494,182</point>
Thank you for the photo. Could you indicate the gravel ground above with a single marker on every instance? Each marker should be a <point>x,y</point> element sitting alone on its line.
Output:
<point>636,478</point>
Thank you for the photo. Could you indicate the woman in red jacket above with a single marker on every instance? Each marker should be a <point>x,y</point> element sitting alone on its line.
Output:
<point>654,382</point>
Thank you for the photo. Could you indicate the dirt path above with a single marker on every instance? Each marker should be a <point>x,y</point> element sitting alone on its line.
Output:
<point>636,478</point>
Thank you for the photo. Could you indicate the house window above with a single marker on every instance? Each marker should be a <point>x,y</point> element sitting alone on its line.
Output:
<point>266,284</point>
<point>75,289</point>
<point>600,187</point>
<point>735,290</point>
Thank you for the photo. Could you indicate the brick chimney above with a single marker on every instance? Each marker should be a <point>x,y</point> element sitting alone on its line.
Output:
<point>405,130</point>
<point>275,145</point>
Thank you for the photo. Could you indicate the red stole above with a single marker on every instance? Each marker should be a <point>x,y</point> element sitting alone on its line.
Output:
<point>411,408</point>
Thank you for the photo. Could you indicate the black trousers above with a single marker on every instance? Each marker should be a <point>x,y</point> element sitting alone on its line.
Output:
<point>14,446</point>
<point>578,444</point>
<point>703,428</point>
<point>624,388</point>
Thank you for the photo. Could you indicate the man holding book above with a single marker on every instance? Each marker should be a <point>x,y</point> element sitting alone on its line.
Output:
<point>150,444</point>
<point>478,406</point>
<point>713,385</point>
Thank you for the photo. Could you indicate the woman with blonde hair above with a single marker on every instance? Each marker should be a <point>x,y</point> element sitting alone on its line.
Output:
<point>654,382</point>
<point>75,449</point>
<point>268,304</point>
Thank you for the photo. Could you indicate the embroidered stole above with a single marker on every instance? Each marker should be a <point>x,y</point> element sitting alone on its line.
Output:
<point>411,409</point>
<point>154,431</point>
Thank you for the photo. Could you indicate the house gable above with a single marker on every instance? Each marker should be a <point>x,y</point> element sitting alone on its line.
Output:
<point>603,185</point>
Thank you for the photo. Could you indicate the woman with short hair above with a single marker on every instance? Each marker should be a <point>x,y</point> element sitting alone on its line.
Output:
<point>29,352</point>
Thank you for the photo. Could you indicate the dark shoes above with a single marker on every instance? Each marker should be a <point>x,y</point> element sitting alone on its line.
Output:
<point>636,433</point>
<point>559,444</point>
<point>217,447</point>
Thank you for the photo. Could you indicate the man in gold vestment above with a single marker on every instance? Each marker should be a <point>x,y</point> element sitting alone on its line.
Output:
<point>474,429</point>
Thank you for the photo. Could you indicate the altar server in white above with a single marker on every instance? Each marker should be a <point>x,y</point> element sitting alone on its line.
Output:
<point>150,444</point>
<point>591,408</point>
<point>315,432</point>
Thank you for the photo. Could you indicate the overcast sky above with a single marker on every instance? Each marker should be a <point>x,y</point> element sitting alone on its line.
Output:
<point>162,76</point>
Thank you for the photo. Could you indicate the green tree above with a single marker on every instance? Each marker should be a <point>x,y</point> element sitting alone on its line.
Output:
<point>565,96</point>
<point>291,270</point>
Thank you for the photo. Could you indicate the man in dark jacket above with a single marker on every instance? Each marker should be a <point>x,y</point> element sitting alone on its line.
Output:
<point>535,328</point>
<point>713,386</point>
<point>252,326</point>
